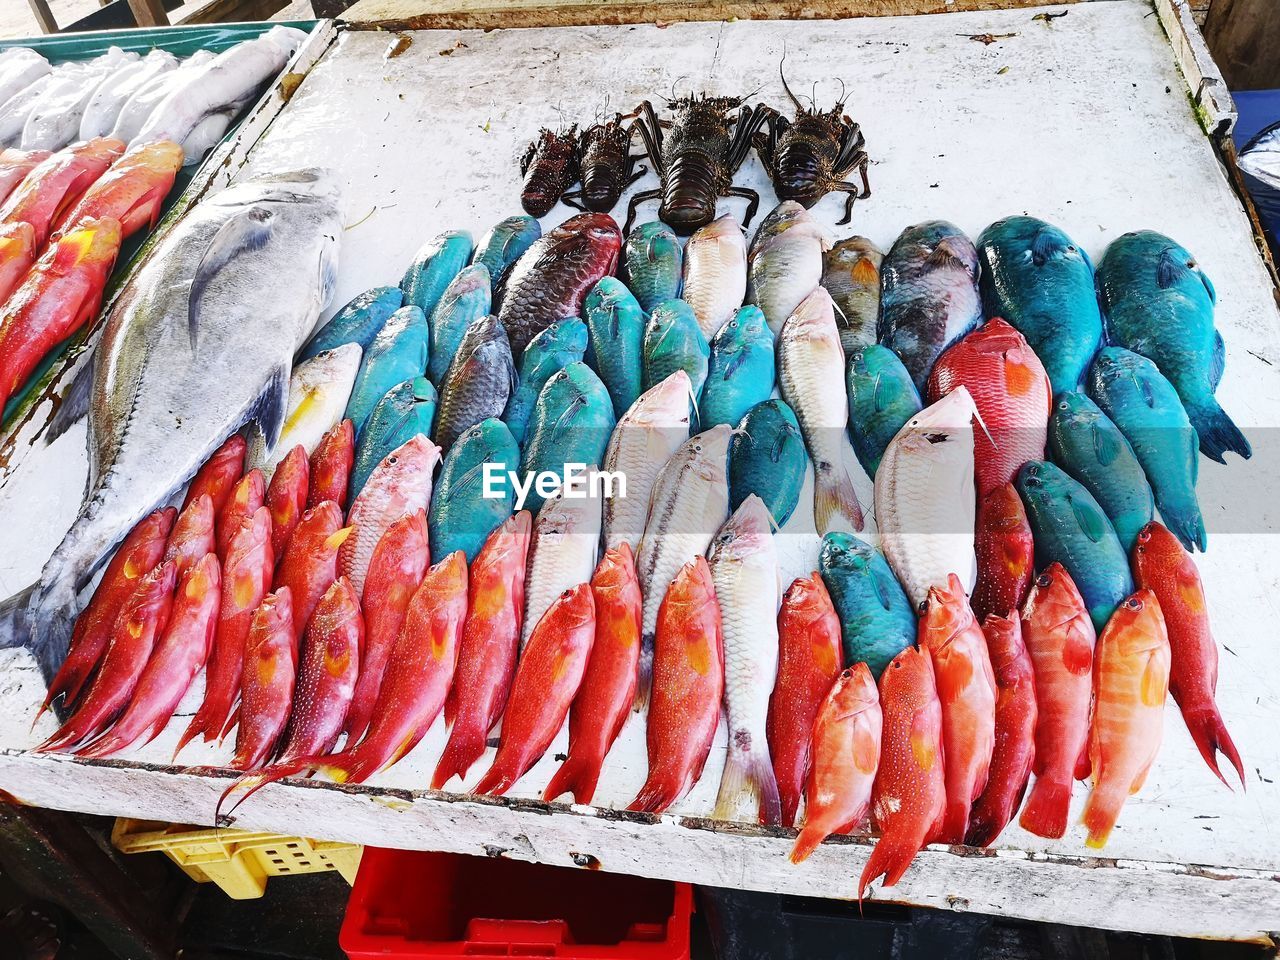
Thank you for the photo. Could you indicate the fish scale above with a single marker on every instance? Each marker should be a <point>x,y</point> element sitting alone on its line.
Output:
<point>785,261</point>
<point>566,536</point>
<point>478,383</point>
<point>715,273</point>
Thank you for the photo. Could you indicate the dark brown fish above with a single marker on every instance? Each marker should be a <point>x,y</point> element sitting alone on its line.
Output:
<point>478,383</point>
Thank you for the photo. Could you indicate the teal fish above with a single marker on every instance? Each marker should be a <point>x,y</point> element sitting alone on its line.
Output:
<point>434,267</point>
<point>562,343</point>
<point>571,423</point>
<point>358,322</point>
<point>767,457</point>
<point>407,410</point>
<point>398,353</point>
<point>1159,304</point>
<point>467,298</point>
<point>876,621</point>
<point>505,242</point>
<point>674,341</point>
<point>616,324</point>
<point>1069,528</point>
<point>1146,408</point>
<point>1084,442</point>
<point>740,370</point>
<point>461,516</point>
<point>653,264</point>
<point>1041,282</point>
<point>882,397</point>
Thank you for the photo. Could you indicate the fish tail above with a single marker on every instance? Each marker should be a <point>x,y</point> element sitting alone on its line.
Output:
<point>1045,814</point>
<point>69,681</point>
<point>466,745</point>
<point>658,793</point>
<point>1185,522</point>
<point>1217,432</point>
<point>1211,737</point>
<point>809,839</point>
<point>83,725</point>
<point>250,784</point>
<point>358,717</point>
<point>644,683</point>
<point>53,609</point>
<point>985,824</point>
<point>889,858</point>
<point>954,822</point>
<point>1101,811</point>
<point>207,722</point>
<point>501,777</point>
<point>577,775</point>
<point>748,782</point>
<point>833,496</point>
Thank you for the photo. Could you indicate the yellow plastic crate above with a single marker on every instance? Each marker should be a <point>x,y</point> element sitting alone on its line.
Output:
<point>238,861</point>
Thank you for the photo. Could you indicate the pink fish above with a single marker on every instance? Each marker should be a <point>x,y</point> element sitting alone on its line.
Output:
<point>192,535</point>
<point>267,681</point>
<point>57,183</point>
<point>133,190</point>
<point>17,254</point>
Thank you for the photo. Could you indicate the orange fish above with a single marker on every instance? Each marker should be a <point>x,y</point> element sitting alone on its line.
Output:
<point>267,681</point>
<point>846,754</point>
<point>1131,679</point>
<point>1161,565</point>
<point>609,687</point>
<point>1015,730</point>
<point>246,497</point>
<point>967,688</point>
<point>218,477</point>
<point>192,535</point>
<point>142,619</point>
<point>286,496</point>
<point>60,294</point>
<point>179,655</point>
<point>57,183</point>
<point>15,165</point>
<point>136,556</point>
<point>1011,390</point>
<point>399,562</point>
<point>133,190</point>
<point>688,684</point>
<point>331,465</point>
<point>808,665</point>
<point>246,578</point>
<point>1059,636</point>
<point>490,644</point>
<point>17,254</point>
<point>548,677</point>
<point>909,796</point>
<point>1006,554</point>
<point>310,563</point>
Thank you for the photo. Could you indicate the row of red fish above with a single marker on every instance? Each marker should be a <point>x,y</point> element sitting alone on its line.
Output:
<point>63,217</point>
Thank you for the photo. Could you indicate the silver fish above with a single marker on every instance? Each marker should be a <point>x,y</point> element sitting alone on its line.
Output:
<point>562,554</point>
<point>190,351</point>
<point>851,274</point>
<point>479,381</point>
<point>104,106</point>
<point>744,568</point>
<point>55,121</point>
<point>811,380</point>
<point>784,263</point>
<point>647,436</point>
<point>690,502</point>
<point>20,67</point>
<point>15,111</point>
<point>715,273</point>
<point>151,94</point>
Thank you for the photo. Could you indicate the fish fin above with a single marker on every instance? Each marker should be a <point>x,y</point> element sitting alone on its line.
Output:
<point>748,781</point>
<point>466,745</point>
<point>74,406</point>
<point>864,273</point>
<point>55,609</point>
<point>1084,764</point>
<point>1047,807</point>
<point>1217,432</point>
<point>644,683</point>
<point>1208,288</point>
<point>1211,737</point>
<point>1187,525</point>
<point>13,619</point>
<point>1168,269</point>
<point>808,840</point>
<point>739,358</point>
<point>1044,245</point>
<point>834,496</point>
<point>1092,523</point>
<point>658,793</point>
<point>1106,446</point>
<point>272,407</point>
<point>500,778</point>
<point>889,858</point>
<point>1101,811</point>
<point>1218,361</point>
<point>943,255</point>
<point>245,232</point>
<point>578,775</point>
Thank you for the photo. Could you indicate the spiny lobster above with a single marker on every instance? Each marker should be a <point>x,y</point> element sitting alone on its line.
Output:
<point>606,164</point>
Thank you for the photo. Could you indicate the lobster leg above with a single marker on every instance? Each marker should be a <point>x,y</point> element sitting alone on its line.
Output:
<point>852,190</point>
<point>651,147</point>
<point>572,199</point>
<point>749,123</point>
<point>639,198</point>
<point>650,118</point>
<point>753,203</point>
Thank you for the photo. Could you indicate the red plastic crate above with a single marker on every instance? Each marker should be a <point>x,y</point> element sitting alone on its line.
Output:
<point>428,905</point>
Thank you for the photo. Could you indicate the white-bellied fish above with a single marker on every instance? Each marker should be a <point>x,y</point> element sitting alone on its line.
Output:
<point>784,263</point>
<point>715,273</point>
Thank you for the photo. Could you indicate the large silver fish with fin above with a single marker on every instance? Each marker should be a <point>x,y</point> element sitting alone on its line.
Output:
<point>192,350</point>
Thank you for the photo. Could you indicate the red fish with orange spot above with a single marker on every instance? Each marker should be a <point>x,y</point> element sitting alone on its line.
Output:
<point>909,796</point>
<point>1011,390</point>
<point>179,655</point>
<point>133,190</point>
<point>17,254</point>
<point>15,164</point>
<point>246,579</point>
<point>808,665</point>
<point>399,563</point>
<point>603,704</point>
<point>310,563</point>
<point>57,183</point>
<point>246,497</point>
<point>967,690</point>
<point>286,496</point>
<point>548,677</point>
<point>489,646</point>
<point>142,619</point>
<point>688,684</point>
<point>138,554</point>
<point>331,465</point>
<point>1015,730</point>
<point>1131,680</point>
<point>1006,554</point>
<point>846,754</point>
<point>1060,638</point>
<point>192,535</point>
<point>267,680</point>
<point>218,478</point>
<point>1163,566</point>
<point>60,295</point>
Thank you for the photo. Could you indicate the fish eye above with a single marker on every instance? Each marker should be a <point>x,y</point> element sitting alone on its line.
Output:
<point>1044,580</point>
<point>697,448</point>
<point>1063,405</point>
<point>392,461</point>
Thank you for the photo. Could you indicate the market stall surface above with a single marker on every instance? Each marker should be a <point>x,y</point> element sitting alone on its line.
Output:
<point>1083,120</point>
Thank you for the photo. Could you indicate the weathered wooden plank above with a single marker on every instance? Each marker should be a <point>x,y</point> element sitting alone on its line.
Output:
<point>1244,36</point>
<point>44,16</point>
<point>149,13</point>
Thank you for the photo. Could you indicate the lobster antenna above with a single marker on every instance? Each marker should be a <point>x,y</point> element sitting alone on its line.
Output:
<point>799,105</point>
<point>842,90</point>
<point>673,88</point>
